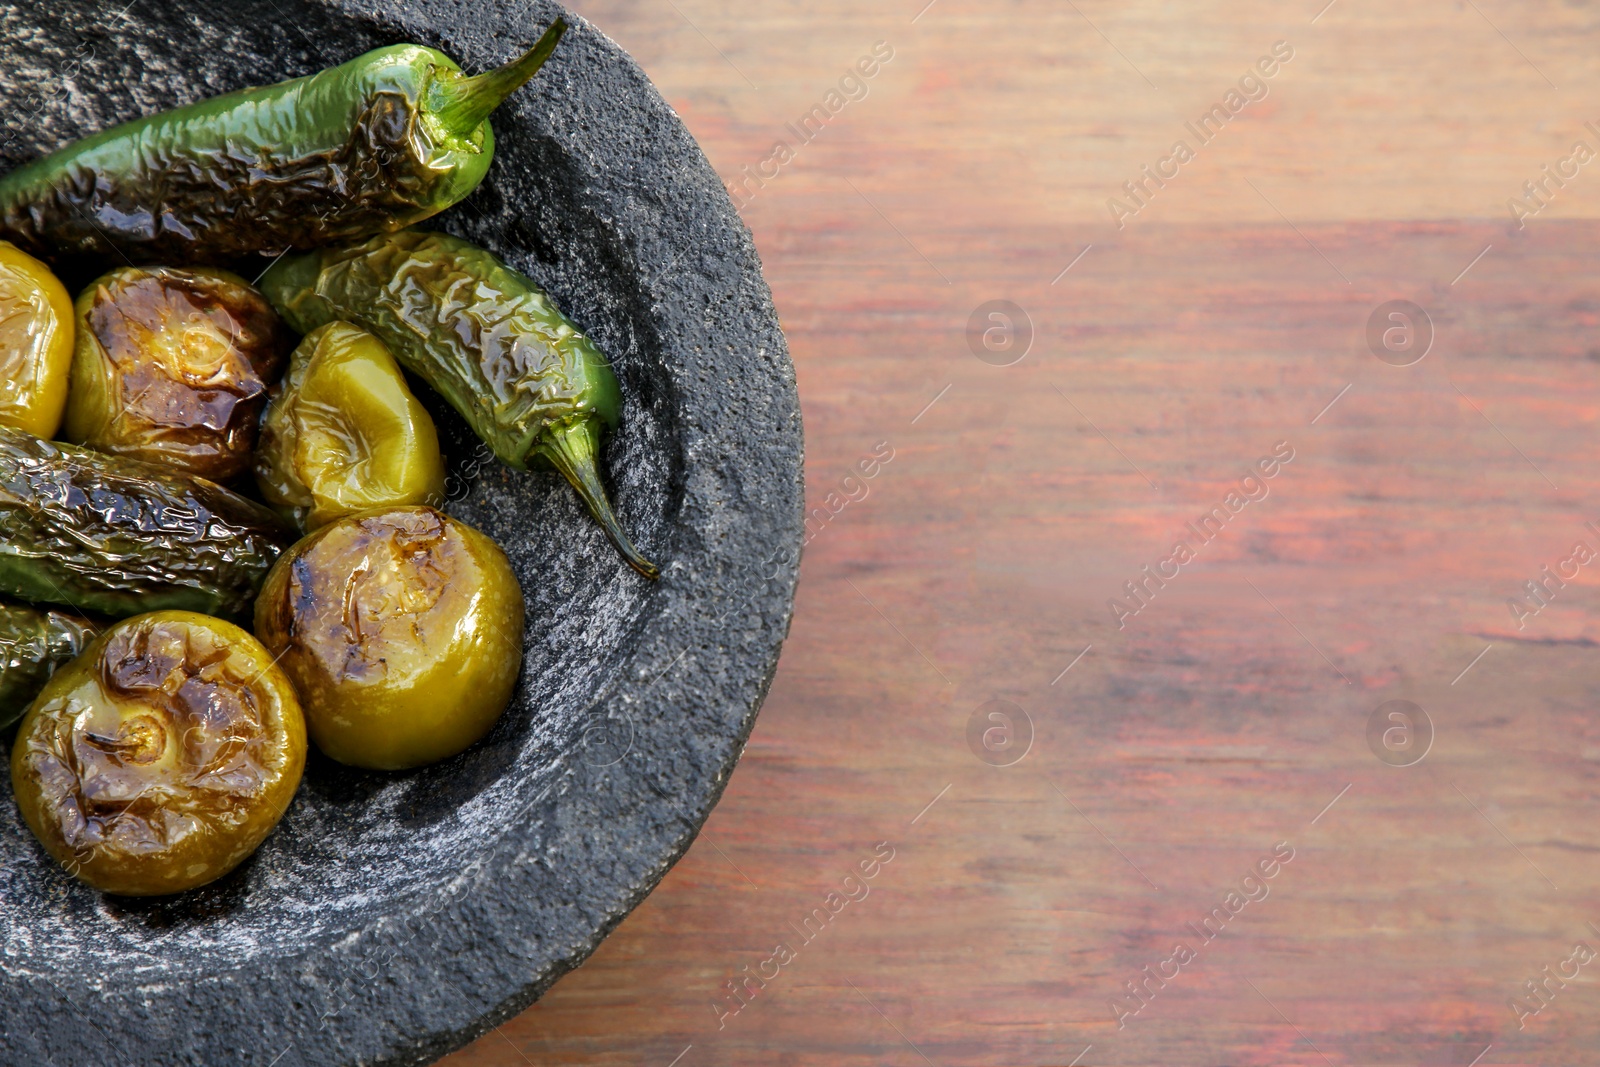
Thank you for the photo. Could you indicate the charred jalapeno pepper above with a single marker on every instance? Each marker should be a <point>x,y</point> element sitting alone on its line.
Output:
<point>344,434</point>
<point>35,343</point>
<point>161,757</point>
<point>530,383</point>
<point>115,536</point>
<point>173,366</point>
<point>380,142</point>
<point>33,643</point>
<point>401,631</point>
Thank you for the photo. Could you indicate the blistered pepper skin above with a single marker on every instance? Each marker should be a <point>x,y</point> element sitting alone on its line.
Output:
<point>33,643</point>
<point>384,140</point>
<point>36,335</point>
<point>113,536</point>
<point>344,434</point>
<point>173,366</point>
<point>161,757</point>
<point>401,631</point>
<point>531,384</point>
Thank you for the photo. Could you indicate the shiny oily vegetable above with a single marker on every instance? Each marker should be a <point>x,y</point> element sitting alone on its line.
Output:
<point>33,643</point>
<point>35,343</point>
<point>401,631</point>
<point>344,434</point>
<point>387,139</point>
<point>173,366</point>
<point>115,536</point>
<point>161,757</point>
<point>487,338</point>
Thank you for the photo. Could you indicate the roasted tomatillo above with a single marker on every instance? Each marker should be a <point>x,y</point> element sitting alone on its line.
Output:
<point>344,434</point>
<point>161,757</point>
<point>173,366</point>
<point>35,343</point>
<point>402,633</point>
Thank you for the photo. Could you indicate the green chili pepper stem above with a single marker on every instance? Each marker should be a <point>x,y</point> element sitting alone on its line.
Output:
<point>572,448</point>
<point>459,104</point>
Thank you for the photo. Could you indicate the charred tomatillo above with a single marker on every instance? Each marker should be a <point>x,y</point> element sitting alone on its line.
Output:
<point>35,343</point>
<point>160,757</point>
<point>173,366</point>
<point>401,630</point>
<point>344,434</point>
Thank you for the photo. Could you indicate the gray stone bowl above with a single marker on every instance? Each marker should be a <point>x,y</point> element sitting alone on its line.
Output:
<point>392,918</point>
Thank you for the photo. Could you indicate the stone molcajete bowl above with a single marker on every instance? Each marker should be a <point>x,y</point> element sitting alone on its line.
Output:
<point>392,918</point>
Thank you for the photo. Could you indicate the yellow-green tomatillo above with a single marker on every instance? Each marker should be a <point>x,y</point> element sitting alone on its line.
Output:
<point>160,757</point>
<point>401,631</point>
<point>344,434</point>
<point>36,329</point>
<point>172,366</point>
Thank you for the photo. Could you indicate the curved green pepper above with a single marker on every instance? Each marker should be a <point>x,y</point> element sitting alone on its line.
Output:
<point>118,536</point>
<point>488,339</point>
<point>33,643</point>
<point>369,146</point>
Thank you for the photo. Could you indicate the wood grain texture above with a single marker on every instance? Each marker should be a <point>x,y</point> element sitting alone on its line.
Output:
<point>1230,712</point>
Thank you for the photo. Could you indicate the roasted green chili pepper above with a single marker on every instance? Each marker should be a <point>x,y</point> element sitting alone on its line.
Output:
<point>117,536</point>
<point>485,336</point>
<point>33,643</point>
<point>380,142</point>
<point>160,758</point>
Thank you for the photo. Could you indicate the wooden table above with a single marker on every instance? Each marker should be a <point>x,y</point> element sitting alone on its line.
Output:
<point>1238,711</point>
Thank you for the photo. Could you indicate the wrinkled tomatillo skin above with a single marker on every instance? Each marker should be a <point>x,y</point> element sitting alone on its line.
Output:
<point>162,756</point>
<point>173,366</point>
<point>402,633</point>
<point>343,433</point>
<point>35,343</point>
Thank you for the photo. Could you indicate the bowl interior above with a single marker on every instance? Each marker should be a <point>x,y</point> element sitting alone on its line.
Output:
<point>353,843</point>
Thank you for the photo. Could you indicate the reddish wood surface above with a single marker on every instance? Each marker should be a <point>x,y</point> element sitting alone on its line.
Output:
<point>1232,711</point>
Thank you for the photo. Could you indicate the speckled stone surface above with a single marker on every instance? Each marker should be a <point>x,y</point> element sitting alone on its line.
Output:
<point>392,918</point>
